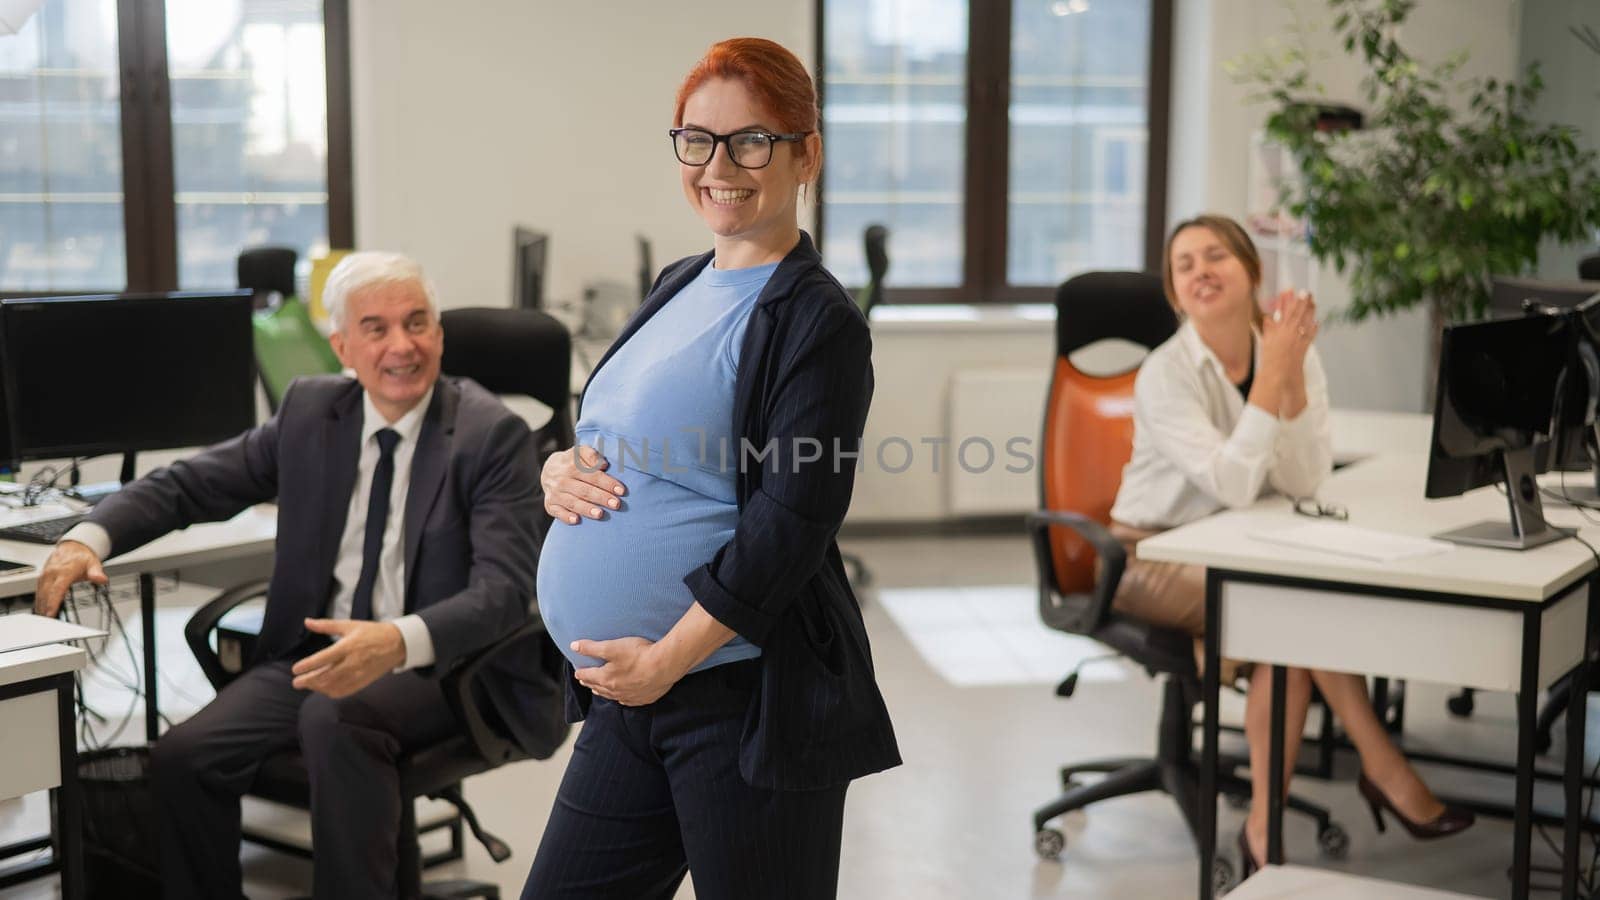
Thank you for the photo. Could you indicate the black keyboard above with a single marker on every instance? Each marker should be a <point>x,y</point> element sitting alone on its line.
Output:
<point>44,531</point>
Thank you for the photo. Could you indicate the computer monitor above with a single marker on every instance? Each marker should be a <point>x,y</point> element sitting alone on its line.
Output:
<point>530,252</point>
<point>9,462</point>
<point>1576,444</point>
<point>1493,419</point>
<point>120,374</point>
<point>1512,296</point>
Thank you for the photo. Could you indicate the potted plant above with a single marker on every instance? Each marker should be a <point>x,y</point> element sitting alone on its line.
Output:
<point>1426,202</point>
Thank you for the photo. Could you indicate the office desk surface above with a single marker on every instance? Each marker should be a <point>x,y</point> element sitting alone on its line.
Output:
<point>252,531</point>
<point>1385,493</point>
<point>39,662</point>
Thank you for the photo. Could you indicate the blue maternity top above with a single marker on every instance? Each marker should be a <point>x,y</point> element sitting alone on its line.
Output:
<point>661,413</point>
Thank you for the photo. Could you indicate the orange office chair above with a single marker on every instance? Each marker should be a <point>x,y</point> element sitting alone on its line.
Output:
<point>1088,438</point>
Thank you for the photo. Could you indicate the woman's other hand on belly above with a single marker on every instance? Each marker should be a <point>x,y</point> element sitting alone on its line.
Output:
<point>576,485</point>
<point>634,671</point>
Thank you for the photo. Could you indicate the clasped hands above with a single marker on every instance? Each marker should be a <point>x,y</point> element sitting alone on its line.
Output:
<point>1289,326</point>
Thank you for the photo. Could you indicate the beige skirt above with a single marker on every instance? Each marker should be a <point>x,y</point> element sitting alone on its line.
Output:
<point>1168,594</point>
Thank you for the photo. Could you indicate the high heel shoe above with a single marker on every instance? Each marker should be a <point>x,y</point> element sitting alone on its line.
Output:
<point>1247,860</point>
<point>1452,821</point>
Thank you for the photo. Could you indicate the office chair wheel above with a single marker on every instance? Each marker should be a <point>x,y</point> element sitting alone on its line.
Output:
<point>1461,704</point>
<point>1333,841</point>
<point>1221,876</point>
<point>1048,843</point>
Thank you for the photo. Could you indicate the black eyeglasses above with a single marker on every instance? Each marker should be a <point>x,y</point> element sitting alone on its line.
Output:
<point>1316,509</point>
<point>749,149</point>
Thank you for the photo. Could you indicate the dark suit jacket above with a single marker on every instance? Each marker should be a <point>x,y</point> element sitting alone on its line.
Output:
<point>473,525</point>
<point>805,372</point>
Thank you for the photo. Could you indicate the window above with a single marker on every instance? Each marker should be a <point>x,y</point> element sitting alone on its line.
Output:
<point>60,137</point>
<point>157,138</point>
<point>1005,145</point>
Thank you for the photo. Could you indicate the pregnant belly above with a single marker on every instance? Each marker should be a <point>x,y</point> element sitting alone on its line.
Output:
<point>623,576</point>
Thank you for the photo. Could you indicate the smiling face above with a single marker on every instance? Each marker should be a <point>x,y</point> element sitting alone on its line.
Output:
<point>1210,282</point>
<point>393,341</point>
<point>752,212</point>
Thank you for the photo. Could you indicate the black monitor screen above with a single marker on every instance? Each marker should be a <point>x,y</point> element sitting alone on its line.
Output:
<point>530,249</point>
<point>1580,389</point>
<point>1497,388</point>
<point>91,375</point>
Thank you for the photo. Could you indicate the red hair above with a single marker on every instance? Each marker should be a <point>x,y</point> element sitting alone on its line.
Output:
<point>768,70</point>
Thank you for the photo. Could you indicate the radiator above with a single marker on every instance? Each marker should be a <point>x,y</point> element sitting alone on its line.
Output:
<point>995,419</point>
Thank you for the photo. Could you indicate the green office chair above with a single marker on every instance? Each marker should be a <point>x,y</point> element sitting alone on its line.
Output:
<point>288,345</point>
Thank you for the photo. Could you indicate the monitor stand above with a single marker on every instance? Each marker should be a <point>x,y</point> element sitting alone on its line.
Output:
<point>1527,528</point>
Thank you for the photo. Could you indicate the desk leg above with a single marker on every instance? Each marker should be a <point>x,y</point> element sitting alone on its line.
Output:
<point>69,812</point>
<point>1527,716</point>
<point>1280,685</point>
<point>1211,685</point>
<point>1577,709</point>
<point>147,625</point>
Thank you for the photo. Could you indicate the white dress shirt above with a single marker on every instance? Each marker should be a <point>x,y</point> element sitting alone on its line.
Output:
<point>388,592</point>
<point>1198,447</point>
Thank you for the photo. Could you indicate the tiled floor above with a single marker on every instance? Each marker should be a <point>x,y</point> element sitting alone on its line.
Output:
<point>968,677</point>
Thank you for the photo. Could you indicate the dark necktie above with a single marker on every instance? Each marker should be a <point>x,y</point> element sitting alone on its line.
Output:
<point>377,518</point>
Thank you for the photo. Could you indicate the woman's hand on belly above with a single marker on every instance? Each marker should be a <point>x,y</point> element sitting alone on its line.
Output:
<point>576,485</point>
<point>634,671</point>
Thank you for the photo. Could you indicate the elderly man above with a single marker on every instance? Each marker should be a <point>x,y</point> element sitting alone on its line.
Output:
<point>409,524</point>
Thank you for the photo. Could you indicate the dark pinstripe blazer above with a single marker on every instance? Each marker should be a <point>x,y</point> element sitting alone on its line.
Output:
<point>805,371</point>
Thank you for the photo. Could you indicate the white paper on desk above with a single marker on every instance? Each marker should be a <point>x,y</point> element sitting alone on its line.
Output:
<point>1341,539</point>
<point>23,630</point>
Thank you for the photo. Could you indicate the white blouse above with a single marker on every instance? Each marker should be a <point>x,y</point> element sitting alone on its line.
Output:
<point>1198,447</point>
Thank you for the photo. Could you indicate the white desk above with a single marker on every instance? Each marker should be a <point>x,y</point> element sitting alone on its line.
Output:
<point>253,531</point>
<point>1491,619</point>
<point>39,747</point>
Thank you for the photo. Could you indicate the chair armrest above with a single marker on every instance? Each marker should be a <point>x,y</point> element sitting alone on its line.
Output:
<point>197,631</point>
<point>458,686</point>
<point>1113,561</point>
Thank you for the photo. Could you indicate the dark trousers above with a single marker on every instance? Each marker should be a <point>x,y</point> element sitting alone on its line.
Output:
<point>655,791</point>
<point>203,766</point>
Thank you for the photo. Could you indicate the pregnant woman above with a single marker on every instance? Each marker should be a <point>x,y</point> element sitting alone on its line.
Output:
<point>719,659</point>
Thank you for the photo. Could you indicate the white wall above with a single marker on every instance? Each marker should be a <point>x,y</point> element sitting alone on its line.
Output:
<point>1571,96</point>
<point>1381,363</point>
<point>471,117</point>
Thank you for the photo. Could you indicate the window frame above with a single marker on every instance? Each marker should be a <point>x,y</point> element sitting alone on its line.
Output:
<point>986,181</point>
<point>149,202</point>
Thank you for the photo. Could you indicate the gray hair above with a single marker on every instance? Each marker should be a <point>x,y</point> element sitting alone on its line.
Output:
<point>368,268</point>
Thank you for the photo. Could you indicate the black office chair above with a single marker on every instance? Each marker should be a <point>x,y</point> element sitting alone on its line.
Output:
<point>508,351</point>
<point>267,271</point>
<point>515,351</point>
<point>875,241</point>
<point>1088,438</point>
<point>1589,268</point>
<point>435,771</point>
